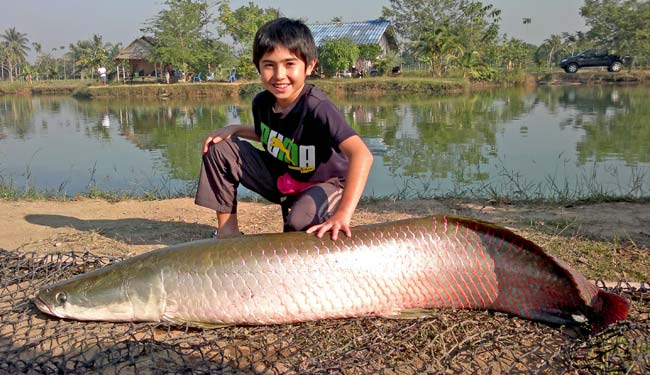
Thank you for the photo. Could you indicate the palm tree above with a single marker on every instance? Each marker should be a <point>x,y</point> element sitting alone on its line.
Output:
<point>3,60</point>
<point>15,45</point>
<point>88,55</point>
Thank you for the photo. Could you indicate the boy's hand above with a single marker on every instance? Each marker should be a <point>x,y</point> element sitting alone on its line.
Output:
<point>216,137</point>
<point>242,131</point>
<point>333,224</point>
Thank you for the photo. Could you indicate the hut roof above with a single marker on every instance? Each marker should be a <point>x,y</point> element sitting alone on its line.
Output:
<point>368,32</point>
<point>139,49</point>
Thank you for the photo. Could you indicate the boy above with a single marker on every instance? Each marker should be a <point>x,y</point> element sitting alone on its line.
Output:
<point>313,164</point>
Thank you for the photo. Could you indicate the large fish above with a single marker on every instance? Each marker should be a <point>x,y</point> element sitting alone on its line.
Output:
<point>383,269</point>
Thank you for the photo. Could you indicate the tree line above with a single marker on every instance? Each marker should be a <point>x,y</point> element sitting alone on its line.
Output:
<point>449,37</point>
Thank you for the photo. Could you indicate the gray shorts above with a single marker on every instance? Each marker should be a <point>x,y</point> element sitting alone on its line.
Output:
<point>231,162</point>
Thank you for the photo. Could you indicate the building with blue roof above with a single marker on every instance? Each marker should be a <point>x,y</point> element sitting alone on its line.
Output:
<point>369,32</point>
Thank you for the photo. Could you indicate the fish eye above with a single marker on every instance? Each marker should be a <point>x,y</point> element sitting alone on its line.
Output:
<point>61,297</point>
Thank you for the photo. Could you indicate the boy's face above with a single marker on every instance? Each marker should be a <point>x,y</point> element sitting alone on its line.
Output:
<point>283,73</point>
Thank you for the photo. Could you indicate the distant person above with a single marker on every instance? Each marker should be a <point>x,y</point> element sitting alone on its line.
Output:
<point>312,163</point>
<point>102,74</point>
<point>233,75</point>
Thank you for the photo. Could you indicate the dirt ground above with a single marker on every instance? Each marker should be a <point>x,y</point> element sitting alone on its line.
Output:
<point>133,226</point>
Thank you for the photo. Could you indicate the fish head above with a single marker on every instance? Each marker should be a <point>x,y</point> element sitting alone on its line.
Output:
<point>107,294</point>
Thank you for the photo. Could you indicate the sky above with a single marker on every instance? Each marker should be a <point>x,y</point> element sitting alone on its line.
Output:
<point>56,23</point>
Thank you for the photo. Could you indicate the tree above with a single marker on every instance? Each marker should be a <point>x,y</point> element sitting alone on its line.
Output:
<point>336,55</point>
<point>180,33</point>
<point>437,29</point>
<point>514,54</point>
<point>408,16</point>
<point>369,52</point>
<point>573,43</point>
<point>241,25</point>
<point>620,25</point>
<point>478,27</point>
<point>15,47</point>
<point>473,67</point>
<point>552,48</point>
<point>45,66</point>
<point>438,48</point>
<point>38,65</point>
<point>89,55</point>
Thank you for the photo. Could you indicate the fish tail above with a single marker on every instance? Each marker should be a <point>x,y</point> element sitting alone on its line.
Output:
<point>608,308</point>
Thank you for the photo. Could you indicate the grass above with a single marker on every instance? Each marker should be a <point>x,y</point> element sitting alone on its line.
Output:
<point>514,188</point>
<point>605,260</point>
<point>340,88</point>
<point>57,87</point>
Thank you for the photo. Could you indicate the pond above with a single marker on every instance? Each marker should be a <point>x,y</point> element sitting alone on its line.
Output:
<point>558,142</point>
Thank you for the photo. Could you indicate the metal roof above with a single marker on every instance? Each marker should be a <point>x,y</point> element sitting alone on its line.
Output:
<point>369,32</point>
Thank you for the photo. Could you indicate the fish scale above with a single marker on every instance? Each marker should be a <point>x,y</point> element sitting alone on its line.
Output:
<point>383,269</point>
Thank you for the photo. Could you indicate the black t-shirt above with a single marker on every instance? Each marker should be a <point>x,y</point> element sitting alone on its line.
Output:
<point>306,139</point>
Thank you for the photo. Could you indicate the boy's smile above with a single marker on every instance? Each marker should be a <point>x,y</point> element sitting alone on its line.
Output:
<point>283,73</point>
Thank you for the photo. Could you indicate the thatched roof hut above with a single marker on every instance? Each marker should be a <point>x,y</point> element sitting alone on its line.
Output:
<point>139,49</point>
<point>139,55</point>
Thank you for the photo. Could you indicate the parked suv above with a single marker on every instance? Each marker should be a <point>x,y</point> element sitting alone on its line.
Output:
<point>591,58</point>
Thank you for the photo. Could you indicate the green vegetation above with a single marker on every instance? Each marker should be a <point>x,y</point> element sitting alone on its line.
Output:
<point>337,88</point>
<point>583,192</point>
<point>337,55</point>
<point>621,26</point>
<point>90,54</point>
<point>181,38</point>
<point>241,25</point>
<point>14,51</point>
<point>446,38</point>
<point>42,87</point>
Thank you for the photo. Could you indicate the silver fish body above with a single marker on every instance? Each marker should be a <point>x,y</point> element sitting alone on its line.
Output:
<point>383,269</point>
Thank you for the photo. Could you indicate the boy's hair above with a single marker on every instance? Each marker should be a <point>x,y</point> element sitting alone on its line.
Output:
<point>292,34</point>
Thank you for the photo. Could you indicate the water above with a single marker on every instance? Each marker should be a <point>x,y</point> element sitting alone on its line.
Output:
<point>551,142</point>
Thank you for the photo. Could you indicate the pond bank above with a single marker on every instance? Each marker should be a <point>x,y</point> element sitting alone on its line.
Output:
<point>591,76</point>
<point>341,88</point>
<point>42,88</point>
<point>336,88</point>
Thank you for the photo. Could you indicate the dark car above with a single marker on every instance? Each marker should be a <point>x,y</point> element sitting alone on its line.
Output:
<point>592,58</point>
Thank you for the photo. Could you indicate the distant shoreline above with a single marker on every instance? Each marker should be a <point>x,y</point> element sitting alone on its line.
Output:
<point>338,88</point>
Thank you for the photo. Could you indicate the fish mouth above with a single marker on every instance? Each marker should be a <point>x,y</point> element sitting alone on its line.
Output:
<point>45,307</point>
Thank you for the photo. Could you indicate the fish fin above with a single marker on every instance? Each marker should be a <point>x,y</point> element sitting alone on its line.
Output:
<point>410,314</point>
<point>608,308</point>
<point>552,315</point>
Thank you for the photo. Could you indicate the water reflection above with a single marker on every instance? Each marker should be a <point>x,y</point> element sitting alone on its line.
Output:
<point>523,143</point>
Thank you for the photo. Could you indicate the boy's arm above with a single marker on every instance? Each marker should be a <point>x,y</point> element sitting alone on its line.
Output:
<point>355,181</point>
<point>242,131</point>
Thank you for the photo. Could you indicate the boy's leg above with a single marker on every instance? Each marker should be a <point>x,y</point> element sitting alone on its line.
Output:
<point>314,205</point>
<point>225,166</point>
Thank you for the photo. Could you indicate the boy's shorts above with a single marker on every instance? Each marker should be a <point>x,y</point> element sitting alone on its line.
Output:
<point>234,161</point>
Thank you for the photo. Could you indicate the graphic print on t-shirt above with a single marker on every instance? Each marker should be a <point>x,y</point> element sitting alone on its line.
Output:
<point>300,158</point>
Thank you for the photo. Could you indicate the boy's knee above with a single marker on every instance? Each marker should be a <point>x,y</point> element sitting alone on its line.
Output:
<point>299,221</point>
<point>219,150</point>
